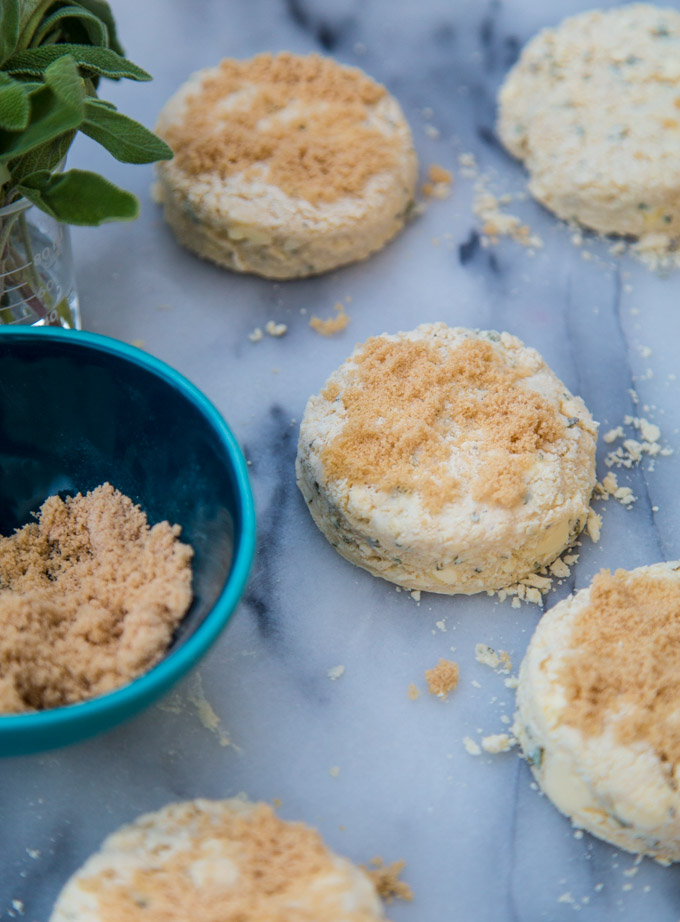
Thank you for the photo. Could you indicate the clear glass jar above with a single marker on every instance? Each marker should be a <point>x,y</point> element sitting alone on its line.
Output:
<point>37,280</point>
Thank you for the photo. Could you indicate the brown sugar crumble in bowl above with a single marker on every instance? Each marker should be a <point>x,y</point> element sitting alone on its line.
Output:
<point>89,598</point>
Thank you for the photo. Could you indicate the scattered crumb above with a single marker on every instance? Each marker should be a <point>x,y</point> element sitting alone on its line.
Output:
<point>335,672</point>
<point>440,182</point>
<point>334,771</point>
<point>441,624</point>
<point>415,595</point>
<point>413,692</point>
<point>256,335</point>
<point>497,223</point>
<point>471,747</point>
<point>610,487</point>
<point>386,880</point>
<point>594,526</point>
<point>139,343</point>
<point>578,833</point>
<point>512,682</point>
<point>442,678</point>
<point>632,450</point>
<point>206,713</point>
<point>498,742</point>
<point>275,329</point>
<point>468,166</point>
<point>33,853</point>
<point>487,656</point>
<point>331,325</point>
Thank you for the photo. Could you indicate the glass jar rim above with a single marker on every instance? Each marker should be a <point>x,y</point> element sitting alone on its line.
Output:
<point>15,207</point>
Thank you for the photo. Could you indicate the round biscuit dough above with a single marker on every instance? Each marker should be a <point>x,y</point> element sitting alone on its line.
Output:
<point>440,528</point>
<point>591,107</point>
<point>203,860</point>
<point>619,790</point>
<point>248,217</point>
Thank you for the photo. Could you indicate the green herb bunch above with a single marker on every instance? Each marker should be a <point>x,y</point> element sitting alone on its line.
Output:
<point>52,55</point>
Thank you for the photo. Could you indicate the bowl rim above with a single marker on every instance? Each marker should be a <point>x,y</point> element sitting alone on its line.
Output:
<point>150,685</point>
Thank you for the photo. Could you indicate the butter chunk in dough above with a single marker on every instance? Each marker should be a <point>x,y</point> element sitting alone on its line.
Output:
<point>231,860</point>
<point>285,165</point>
<point>592,108</point>
<point>447,459</point>
<point>597,708</point>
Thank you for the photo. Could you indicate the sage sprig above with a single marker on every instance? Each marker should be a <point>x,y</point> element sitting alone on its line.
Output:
<point>52,56</point>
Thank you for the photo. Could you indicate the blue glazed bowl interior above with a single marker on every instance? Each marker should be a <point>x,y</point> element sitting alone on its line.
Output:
<point>76,410</point>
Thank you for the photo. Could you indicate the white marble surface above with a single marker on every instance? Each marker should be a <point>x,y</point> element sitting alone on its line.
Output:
<point>478,841</point>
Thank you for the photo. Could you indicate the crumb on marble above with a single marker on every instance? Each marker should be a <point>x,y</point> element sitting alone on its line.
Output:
<point>275,329</point>
<point>439,184</point>
<point>331,325</point>
<point>471,746</point>
<point>413,692</point>
<point>497,223</point>
<point>498,742</point>
<point>256,335</point>
<point>442,678</point>
<point>386,880</point>
<point>335,672</point>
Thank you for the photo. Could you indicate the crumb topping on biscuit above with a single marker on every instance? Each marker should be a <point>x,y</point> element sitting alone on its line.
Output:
<point>243,865</point>
<point>625,662</point>
<point>411,403</point>
<point>302,123</point>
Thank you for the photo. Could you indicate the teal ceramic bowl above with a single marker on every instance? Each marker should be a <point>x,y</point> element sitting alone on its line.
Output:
<point>78,409</point>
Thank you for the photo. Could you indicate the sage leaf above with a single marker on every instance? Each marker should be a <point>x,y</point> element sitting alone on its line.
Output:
<point>9,27</point>
<point>14,104</point>
<point>102,9</point>
<point>123,137</point>
<point>79,197</point>
<point>71,24</point>
<point>46,156</point>
<point>56,108</point>
<point>100,61</point>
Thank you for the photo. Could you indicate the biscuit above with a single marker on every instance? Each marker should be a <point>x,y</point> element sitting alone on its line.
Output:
<point>597,713</point>
<point>285,165</point>
<point>204,860</point>
<point>447,459</point>
<point>592,107</point>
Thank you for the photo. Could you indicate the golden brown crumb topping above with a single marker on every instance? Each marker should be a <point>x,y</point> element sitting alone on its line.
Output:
<point>386,880</point>
<point>412,403</point>
<point>625,661</point>
<point>89,598</point>
<point>238,867</point>
<point>307,119</point>
<point>442,678</point>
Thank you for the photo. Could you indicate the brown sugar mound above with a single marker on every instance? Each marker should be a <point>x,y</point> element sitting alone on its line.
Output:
<point>306,118</point>
<point>89,599</point>
<point>411,403</point>
<point>231,865</point>
<point>442,678</point>
<point>626,662</point>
